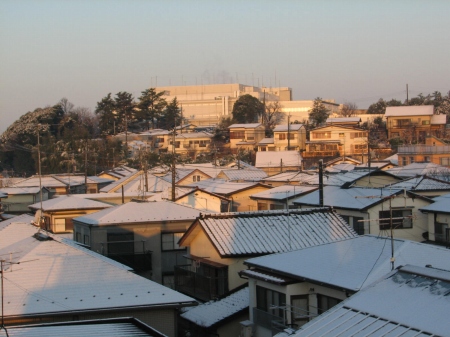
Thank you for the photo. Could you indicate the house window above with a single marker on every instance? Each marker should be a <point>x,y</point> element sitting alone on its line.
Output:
<point>358,135</point>
<point>445,161</point>
<point>401,218</point>
<point>270,301</point>
<point>427,159</point>
<point>326,302</point>
<point>300,312</point>
<point>237,135</point>
<point>277,206</point>
<point>196,178</point>
<point>317,135</point>
<point>404,161</point>
<point>78,237</point>
<point>169,241</point>
<point>426,122</point>
<point>395,134</point>
<point>68,224</point>
<point>262,206</point>
<point>403,122</point>
<point>411,160</point>
<point>120,243</point>
<point>281,136</point>
<point>358,225</point>
<point>263,148</point>
<point>440,230</point>
<point>86,240</point>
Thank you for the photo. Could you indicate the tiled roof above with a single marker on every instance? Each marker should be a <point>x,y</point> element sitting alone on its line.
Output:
<point>213,312</point>
<point>66,202</point>
<point>247,233</point>
<point>140,212</point>
<point>136,183</point>
<point>248,175</point>
<point>353,263</point>
<point>411,301</point>
<point>57,277</point>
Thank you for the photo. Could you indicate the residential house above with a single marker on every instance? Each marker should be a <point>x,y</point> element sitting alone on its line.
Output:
<point>202,200</point>
<point>419,169</point>
<point>290,178</point>
<point>138,182</point>
<point>238,193</point>
<point>186,176</point>
<point>58,213</point>
<point>18,198</point>
<point>115,198</point>
<point>143,235</point>
<point>414,123</point>
<point>368,210</point>
<point>280,197</point>
<point>285,137</point>
<point>435,151</point>
<point>389,307</point>
<point>191,143</point>
<point>117,172</point>
<point>218,317</point>
<point>344,121</point>
<point>246,136</point>
<point>59,281</point>
<point>423,185</point>
<point>54,185</point>
<point>278,161</point>
<point>219,243</point>
<point>438,214</point>
<point>289,289</point>
<point>335,140</point>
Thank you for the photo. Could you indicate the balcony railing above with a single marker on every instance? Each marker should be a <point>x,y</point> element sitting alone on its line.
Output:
<point>130,253</point>
<point>424,149</point>
<point>202,287</point>
<point>320,154</point>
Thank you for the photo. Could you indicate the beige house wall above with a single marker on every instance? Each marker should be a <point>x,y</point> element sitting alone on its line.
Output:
<point>241,202</point>
<point>202,201</point>
<point>347,142</point>
<point>298,143</point>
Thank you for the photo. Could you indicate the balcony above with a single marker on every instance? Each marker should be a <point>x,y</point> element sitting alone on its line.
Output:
<point>313,154</point>
<point>130,253</point>
<point>423,149</point>
<point>194,281</point>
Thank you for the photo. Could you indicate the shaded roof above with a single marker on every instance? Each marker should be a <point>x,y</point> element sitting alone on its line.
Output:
<point>353,263</point>
<point>422,183</point>
<point>113,327</point>
<point>243,174</point>
<point>274,158</point>
<point>19,190</point>
<point>66,202</point>
<point>284,127</point>
<point>299,176</point>
<point>58,276</point>
<point>440,205</point>
<point>418,169</point>
<point>221,186</point>
<point>358,198</point>
<point>411,301</point>
<point>255,233</point>
<point>283,192</point>
<point>411,110</point>
<point>213,312</point>
<point>140,212</point>
<point>348,178</point>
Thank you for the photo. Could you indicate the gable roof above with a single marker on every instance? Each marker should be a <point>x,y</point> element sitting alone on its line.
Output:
<point>256,233</point>
<point>139,212</point>
<point>66,202</point>
<point>58,276</point>
<point>410,301</point>
<point>440,205</point>
<point>418,169</point>
<point>422,183</point>
<point>243,174</point>
<point>411,110</point>
<point>136,183</point>
<point>353,263</point>
<point>281,193</point>
<point>274,158</point>
<point>343,120</point>
<point>19,190</point>
<point>298,176</point>
<point>348,178</point>
<point>46,181</point>
<point>221,186</point>
<point>211,313</point>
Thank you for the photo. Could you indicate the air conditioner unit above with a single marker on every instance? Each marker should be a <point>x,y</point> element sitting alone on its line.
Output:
<point>246,329</point>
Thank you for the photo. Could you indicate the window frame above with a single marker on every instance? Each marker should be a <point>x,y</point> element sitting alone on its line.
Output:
<point>175,236</point>
<point>396,213</point>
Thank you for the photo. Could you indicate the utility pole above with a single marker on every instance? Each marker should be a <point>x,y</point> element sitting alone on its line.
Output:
<point>85,167</point>
<point>173,158</point>
<point>40,190</point>
<point>289,132</point>
<point>321,182</point>
<point>407,94</point>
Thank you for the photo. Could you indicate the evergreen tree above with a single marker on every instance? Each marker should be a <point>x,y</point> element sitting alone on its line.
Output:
<point>171,116</point>
<point>318,113</point>
<point>150,107</point>
<point>247,109</point>
<point>105,113</point>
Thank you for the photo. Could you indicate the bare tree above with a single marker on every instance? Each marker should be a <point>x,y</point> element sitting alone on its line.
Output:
<point>273,115</point>
<point>65,105</point>
<point>348,109</point>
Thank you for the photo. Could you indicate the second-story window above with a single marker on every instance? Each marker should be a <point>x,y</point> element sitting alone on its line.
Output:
<point>237,135</point>
<point>282,136</point>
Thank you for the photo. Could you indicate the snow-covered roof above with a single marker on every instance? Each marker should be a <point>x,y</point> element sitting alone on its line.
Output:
<point>393,159</point>
<point>284,127</point>
<point>58,276</point>
<point>283,192</point>
<point>266,141</point>
<point>411,301</point>
<point>66,202</point>
<point>245,126</point>
<point>221,186</point>
<point>343,120</point>
<point>250,233</point>
<point>412,110</point>
<point>106,196</point>
<point>422,183</point>
<point>181,173</point>
<point>299,176</point>
<point>340,167</point>
<point>348,198</point>
<point>441,204</point>
<point>140,212</point>
<point>46,181</point>
<point>116,327</point>
<point>136,183</point>
<point>213,312</point>
<point>275,158</point>
<point>352,263</point>
<point>417,169</point>
<point>350,177</point>
<point>19,190</point>
<point>201,134</point>
<point>248,175</point>
<point>438,119</point>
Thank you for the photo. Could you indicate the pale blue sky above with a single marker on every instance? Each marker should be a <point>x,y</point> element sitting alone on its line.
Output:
<point>355,51</point>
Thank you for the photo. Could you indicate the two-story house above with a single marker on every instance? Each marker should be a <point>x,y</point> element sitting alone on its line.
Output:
<point>246,136</point>
<point>336,140</point>
<point>285,137</point>
<point>191,143</point>
<point>435,151</point>
<point>414,123</point>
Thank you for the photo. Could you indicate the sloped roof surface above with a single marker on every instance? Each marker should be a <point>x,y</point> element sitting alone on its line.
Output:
<point>284,127</point>
<point>422,183</point>
<point>57,277</point>
<point>301,177</point>
<point>344,120</point>
<point>273,231</point>
<point>201,134</point>
<point>410,302</point>
<point>439,119</point>
<point>412,110</point>
<point>221,186</point>
<point>66,202</point>
<point>137,212</point>
<point>246,126</point>
<point>353,263</point>
<point>274,158</point>
<point>46,181</point>
<point>283,192</point>
<point>136,183</point>
<point>418,169</point>
<point>441,205</point>
<point>213,312</point>
<point>350,198</point>
<point>266,141</point>
<point>249,175</point>
<point>19,190</point>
